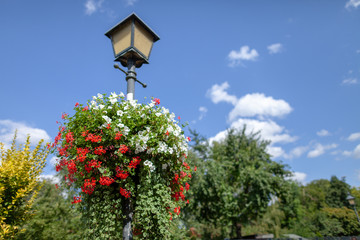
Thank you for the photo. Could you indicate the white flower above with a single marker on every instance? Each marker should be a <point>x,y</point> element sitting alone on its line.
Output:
<point>120,125</point>
<point>99,95</point>
<point>158,114</point>
<point>126,130</point>
<point>165,110</point>
<point>121,94</point>
<point>164,166</point>
<point>119,113</point>
<point>113,98</point>
<point>107,119</point>
<point>101,106</point>
<point>150,164</point>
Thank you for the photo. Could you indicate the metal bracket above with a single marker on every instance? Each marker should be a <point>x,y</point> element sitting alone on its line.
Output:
<point>126,73</point>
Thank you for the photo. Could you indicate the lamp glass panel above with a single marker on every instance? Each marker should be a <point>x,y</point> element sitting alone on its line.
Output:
<point>143,40</point>
<point>121,38</point>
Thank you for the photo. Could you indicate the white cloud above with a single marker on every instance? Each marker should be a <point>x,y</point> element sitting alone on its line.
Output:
<point>8,128</point>
<point>257,104</point>
<point>320,150</point>
<point>275,48</point>
<point>352,4</point>
<point>323,133</point>
<point>275,152</point>
<point>356,152</point>
<point>131,2</point>
<point>203,111</point>
<point>296,152</point>
<point>91,6</point>
<point>250,105</point>
<point>244,54</point>
<point>269,130</point>
<point>354,136</point>
<point>218,94</point>
<point>299,177</point>
<point>49,177</point>
<point>349,81</point>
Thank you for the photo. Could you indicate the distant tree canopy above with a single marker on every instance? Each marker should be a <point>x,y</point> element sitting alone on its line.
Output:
<point>235,184</point>
<point>20,168</point>
<point>55,218</point>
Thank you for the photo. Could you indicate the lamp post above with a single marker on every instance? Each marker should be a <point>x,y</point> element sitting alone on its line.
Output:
<point>132,41</point>
<point>351,201</point>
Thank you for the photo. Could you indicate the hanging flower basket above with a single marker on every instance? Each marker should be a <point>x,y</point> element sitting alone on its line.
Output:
<point>112,151</point>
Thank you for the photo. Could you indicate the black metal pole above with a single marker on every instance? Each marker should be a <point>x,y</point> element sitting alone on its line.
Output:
<point>131,78</point>
<point>128,213</point>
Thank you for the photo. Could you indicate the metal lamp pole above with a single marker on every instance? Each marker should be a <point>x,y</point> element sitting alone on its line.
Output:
<point>132,42</point>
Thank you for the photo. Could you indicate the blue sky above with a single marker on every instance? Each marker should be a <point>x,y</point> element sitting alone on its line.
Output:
<point>288,68</point>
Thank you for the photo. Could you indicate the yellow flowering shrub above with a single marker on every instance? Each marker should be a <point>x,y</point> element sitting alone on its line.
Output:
<point>20,168</point>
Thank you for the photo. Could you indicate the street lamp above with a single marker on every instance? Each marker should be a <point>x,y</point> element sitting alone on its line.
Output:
<point>132,41</point>
<point>351,201</point>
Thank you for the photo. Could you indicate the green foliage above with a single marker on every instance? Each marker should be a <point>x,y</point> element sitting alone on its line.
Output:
<point>235,184</point>
<point>20,168</point>
<point>54,217</point>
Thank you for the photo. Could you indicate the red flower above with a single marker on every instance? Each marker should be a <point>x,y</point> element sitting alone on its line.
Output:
<point>89,186</point>
<point>121,173</point>
<point>177,210</point>
<point>179,117</point>
<point>81,154</point>
<point>76,104</point>
<point>118,136</point>
<point>69,137</point>
<point>183,174</point>
<point>187,186</point>
<point>92,164</point>
<point>186,165</point>
<point>76,200</point>
<point>134,162</point>
<point>108,126</point>
<point>157,101</point>
<point>57,186</point>
<point>188,138</point>
<point>195,168</point>
<point>124,192</point>
<point>106,181</point>
<point>123,149</point>
<point>167,133</point>
<point>71,167</point>
<point>93,138</point>
<point>63,116</point>
<point>99,150</point>
<point>86,108</point>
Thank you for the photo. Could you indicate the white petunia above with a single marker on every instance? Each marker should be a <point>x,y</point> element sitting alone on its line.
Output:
<point>150,164</point>
<point>107,119</point>
<point>119,113</point>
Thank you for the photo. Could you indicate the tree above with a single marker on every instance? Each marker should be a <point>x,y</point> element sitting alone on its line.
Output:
<point>20,168</point>
<point>338,192</point>
<point>236,184</point>
<point>55,218</point>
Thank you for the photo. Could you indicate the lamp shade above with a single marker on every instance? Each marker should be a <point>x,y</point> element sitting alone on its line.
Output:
<point>132,39</point>
<point>351,200</point>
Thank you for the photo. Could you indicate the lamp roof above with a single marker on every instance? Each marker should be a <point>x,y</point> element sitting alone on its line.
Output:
<point>139,20</point>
